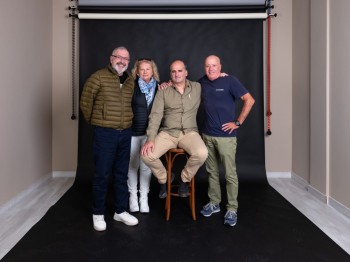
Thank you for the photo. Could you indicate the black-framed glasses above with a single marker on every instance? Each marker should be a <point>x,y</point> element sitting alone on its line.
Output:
<point>142,59</point>
<point>121,57</point>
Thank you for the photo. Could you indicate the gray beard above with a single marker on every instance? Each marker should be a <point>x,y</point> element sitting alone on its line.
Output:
<point>120,71</point>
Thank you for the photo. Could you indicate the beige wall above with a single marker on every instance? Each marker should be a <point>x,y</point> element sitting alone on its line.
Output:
<point>339,106</point>
<point>26,91</point>
<point>301,89</point>
<point>318,95</point>
<point>326,85</point>
<point>278,146</point>
<point>41,41</point>
<point>65,130</point>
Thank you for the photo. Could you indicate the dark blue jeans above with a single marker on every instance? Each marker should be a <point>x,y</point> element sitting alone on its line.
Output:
<point>111,155</point>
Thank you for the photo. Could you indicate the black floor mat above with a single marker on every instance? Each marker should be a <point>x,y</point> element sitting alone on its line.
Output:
<point>269,228</point>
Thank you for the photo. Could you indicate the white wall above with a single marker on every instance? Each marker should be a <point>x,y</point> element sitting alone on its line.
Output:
<point>26,89</point>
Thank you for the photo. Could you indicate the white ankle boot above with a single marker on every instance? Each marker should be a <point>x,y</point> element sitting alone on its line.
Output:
<point>144,208</point>
<point>133,203</point>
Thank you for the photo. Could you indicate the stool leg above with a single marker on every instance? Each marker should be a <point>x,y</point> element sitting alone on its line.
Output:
<point>192,199</point>
<point>168,197</point>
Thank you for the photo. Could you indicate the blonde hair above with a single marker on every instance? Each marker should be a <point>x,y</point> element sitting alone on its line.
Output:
<point>136,67</point>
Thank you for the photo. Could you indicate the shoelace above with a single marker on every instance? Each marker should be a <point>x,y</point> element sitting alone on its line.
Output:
<point>230,215</point>
<point>209,206</point>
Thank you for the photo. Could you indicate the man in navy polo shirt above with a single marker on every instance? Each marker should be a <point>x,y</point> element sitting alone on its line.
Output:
<point>219,134</point>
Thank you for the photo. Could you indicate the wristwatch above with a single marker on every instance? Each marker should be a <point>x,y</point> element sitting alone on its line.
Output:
<point>237,123</point>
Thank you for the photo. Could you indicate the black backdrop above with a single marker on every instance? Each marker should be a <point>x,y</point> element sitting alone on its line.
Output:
<point>239,44</point>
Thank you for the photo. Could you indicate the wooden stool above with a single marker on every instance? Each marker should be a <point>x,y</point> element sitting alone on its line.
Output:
<point>170,158</point>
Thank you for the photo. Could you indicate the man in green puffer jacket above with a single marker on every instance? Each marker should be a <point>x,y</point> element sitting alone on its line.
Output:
<point>106,105</point>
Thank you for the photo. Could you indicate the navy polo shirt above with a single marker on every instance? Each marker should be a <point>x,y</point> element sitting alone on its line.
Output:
<point>218,101</point>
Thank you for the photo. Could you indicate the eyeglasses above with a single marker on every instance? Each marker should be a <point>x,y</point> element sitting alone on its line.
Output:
<point>142,59</point>
<point>121,57</point>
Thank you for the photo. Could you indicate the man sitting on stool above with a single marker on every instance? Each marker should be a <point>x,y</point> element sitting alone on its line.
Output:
<point>174,114</point>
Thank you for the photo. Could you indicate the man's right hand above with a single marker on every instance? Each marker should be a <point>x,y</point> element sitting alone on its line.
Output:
<point>147,148</point>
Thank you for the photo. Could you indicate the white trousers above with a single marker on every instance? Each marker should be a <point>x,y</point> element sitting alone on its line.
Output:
<point>136,164</point>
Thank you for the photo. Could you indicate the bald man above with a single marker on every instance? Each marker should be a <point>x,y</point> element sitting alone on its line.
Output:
<point>172,124</point>
<point>221,122</point>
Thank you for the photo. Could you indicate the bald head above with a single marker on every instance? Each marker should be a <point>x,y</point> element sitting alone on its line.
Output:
<point>178,72</point>
<point>212,67</point>
<point>177,64</point>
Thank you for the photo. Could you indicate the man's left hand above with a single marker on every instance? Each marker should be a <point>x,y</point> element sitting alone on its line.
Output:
<point>229,127</point>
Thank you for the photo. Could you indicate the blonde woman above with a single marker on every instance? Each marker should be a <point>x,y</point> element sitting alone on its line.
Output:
<point>146,77</point>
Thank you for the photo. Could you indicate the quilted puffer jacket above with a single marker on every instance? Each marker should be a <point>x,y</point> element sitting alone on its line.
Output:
<point>103,103</point>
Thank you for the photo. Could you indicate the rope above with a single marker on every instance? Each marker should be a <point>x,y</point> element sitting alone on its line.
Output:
<point>268,84</point>
<point>73,16</point>
<point>268,95</point>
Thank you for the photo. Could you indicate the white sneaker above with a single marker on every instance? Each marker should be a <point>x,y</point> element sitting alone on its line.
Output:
<point>144,208</point>
<point>99,222</point>
<point>126,218</point>
<point>133,204</point>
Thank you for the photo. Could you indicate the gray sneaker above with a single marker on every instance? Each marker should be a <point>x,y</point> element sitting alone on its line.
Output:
<point>230,218</point>
<point>210,209</point>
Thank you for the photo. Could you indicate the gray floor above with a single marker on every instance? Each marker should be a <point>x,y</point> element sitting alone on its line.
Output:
<point>18,216</point>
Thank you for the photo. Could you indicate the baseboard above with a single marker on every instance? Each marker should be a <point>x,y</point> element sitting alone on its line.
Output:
<point>316,193</point>
<point>15,200</point>
<point>23,195</point>
<point>300,182</point>
<point>278,174</point>
<point>320,196</point>
<point>56,174</point>
<point>339,207</point>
